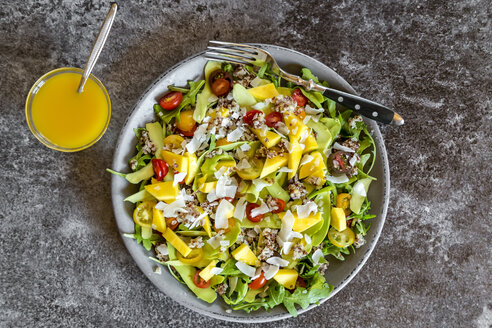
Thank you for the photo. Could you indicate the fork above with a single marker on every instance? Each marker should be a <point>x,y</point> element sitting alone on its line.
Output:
<point>240,53</point>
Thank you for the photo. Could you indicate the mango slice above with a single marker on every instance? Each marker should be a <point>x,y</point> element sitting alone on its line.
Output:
<point>263,92</point>
<point>179,163</point>
<point>163,191</point>
<point>273,164</point>
<point>267,138</point>
<point>338,220</point>
<point>244,254</point>
<point>286,277</point>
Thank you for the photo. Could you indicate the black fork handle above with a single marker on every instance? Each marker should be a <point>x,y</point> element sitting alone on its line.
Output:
<point>364,107</point>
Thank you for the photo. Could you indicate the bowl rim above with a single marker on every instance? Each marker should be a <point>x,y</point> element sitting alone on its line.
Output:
<point>376,133</point>
<point>31,95</point>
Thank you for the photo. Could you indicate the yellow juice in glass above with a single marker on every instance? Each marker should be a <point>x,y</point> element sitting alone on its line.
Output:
<point>63,119</point>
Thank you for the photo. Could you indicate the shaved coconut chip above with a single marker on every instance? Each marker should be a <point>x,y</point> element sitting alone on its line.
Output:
<point>221,214</point>
<point>215,241</point>
<point>162,249</point>
<point>295,234</point>
<point>303,211</point>
<point>360,189</point>
<point>313,111</point>
<point>220,172</point>
<point>260,184</point>
<point>306,159</point>
<point>259,106</point>
<point>245,147</point>
<point>285,246</point>
<point>211,196</point>
<point>216,270</point>
<point>287,225</point>
<point>307,239</point>
<point>198,220</point>
<point>284,169</point>
<point>337,146</point>
<point>278,261</point>
<point>240,210</point>
<point>235,135</point>
<point>317,255</point>
<point>185,196</point>
<point>257,274</point>
<point>243,164</point>
<point>199,137</point>
<point>257,229</point>
<point>353,160</point>
<point>337,179</point>
<point>281,127</point>
<point>271,272</point>
<point>178,178</point>
<point>262,209</point>
<point>246,269</point>
<point>172,210</point>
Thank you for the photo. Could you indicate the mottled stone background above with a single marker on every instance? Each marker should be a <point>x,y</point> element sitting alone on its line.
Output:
<point>62,262</point>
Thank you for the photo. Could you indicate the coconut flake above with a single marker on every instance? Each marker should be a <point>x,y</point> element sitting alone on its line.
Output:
<point>222,214</point>
<point>360,189</point>
<point>287,225</point>
<point>262,209</point>
<point>337,179</point>
<point>284,169</point>
<point>235,135</point>
<point>178,178</point>
<point>353,160</point>
<point>271,271</point>
<point>260,184</point>
<point>199,137</point>
<point>313,111</point>
<point>307,238</point>
<point>243,164</point>
<point>337,146</point>
<point>257,229</point>
<point>259,105</point>
<point>246,269</point>
<point>303,211</point>
<point>278,261</point>
<point>294,234</point>
<point>285,246</point>
<point>162,249</point>
<point>216,270</point>
<point>211,196</point>
<point>197,220</point>
<point>245,147</point>
<point>215,241</point>
<point>257,274</point>
<point>240,210</point>
<point>306,159</point>
<point>317,255</point>
<point>172,210</point>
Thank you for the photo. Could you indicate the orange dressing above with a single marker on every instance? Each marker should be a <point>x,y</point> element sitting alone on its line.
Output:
<point>66,118</point>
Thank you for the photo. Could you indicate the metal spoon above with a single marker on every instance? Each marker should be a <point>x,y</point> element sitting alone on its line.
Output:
<point>98,45</point>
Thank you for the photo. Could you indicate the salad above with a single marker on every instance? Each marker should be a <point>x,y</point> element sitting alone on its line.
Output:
<point>249,185</point>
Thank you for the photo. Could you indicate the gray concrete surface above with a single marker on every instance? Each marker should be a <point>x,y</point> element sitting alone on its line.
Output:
<point>62,262</point>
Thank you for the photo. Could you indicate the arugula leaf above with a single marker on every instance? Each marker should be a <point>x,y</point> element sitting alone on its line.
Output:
<point>165,116</point>
<point>308,75</point>
<point>315,97</point>
<point>262,70</point>
<point>304,297</point>
<point>182,90</point>
<point>147,243</point>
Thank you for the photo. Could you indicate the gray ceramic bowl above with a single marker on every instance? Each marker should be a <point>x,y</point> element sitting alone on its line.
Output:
<point>338,274</point>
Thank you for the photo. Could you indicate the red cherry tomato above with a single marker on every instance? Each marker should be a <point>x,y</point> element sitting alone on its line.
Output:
<point>280,204</point>
<point>160,168</point>
<point>258,282</point>
<point>272,119</point>
<point>182,181</point>
<point>220,87</point>
<point>199,281</point>
<point>172,223</point>
<point>171,100</point>
<point>249,208</point>
<point>190,133</point>
<point>349,223</point>
<point>300,99</point>
<point>249,117</point>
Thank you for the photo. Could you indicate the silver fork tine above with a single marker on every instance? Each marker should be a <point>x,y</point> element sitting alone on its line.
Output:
<point>227,56</point>
<point>233,50</point>
<point>221,59</point>
<point>231,44</point>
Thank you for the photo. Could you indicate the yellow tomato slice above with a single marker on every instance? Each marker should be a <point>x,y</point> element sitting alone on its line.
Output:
<point>194,257</point>
<point>142,215</point>
<point>341,239</point>
<point>186,122</point>
<point>343,201</point>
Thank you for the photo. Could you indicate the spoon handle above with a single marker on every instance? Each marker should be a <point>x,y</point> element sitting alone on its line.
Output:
<point>98,45</point>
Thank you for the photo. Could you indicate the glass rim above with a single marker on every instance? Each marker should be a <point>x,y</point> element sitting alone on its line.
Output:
<point>32,94</point>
